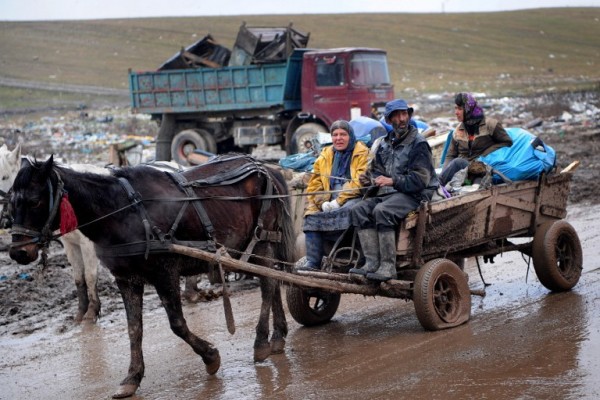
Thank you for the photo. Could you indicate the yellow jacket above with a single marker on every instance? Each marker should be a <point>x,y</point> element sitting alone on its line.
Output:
<point>319,181</point>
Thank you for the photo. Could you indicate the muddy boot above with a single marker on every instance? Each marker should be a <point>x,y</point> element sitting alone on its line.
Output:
<point>369,243</point>
<point>387,253</point>
<point>314,251</point>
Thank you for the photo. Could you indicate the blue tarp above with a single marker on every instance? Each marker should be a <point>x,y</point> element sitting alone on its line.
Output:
<point>526,159</point>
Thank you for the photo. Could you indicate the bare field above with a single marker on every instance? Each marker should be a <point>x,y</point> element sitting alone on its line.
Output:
<point>497,53</point>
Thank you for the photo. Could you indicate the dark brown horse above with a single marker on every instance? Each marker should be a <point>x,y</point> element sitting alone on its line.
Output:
<point>134,214</point>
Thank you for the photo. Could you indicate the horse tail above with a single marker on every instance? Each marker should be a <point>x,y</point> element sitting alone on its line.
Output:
<point>285,248</point>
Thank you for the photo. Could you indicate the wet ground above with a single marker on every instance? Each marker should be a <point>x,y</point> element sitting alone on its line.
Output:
<point>521,342</point>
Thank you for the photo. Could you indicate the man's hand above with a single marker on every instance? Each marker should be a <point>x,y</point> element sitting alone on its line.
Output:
<point>384,181</point>
<point>364,179</point>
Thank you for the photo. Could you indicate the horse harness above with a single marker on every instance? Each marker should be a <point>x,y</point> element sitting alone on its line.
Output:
<point>157,241</point>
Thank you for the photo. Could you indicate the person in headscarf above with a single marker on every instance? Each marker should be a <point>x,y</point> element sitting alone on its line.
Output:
<point>476,135</point>
<point>334,182</point>
<point>402,173</point>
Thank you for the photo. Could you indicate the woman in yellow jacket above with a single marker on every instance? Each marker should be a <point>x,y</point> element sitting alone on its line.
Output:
<point>335,183</point>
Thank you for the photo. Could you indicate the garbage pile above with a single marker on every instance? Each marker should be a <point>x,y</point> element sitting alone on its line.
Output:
<point>544,114</point>
<point>81,136</point>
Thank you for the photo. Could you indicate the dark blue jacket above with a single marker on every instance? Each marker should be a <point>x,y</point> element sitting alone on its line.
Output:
<point>409,163</point>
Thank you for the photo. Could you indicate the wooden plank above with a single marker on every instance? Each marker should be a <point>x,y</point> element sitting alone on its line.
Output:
<point>391,289</point>
<point>571,167</point>
<point>516,203</point>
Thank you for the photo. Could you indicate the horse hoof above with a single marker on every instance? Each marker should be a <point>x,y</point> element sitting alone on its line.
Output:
<point>78,318</point>
<point>213,366</point>
<point>125,391</point>
<point>277,346</point>
<point>191,297</point>
<point>91,317</point>
<point>262,353</point>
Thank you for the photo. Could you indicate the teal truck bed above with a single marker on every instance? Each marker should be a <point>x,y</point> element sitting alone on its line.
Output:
<point>215,90</point>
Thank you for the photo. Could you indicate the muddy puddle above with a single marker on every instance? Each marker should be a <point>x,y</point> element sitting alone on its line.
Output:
<point>521,342</point>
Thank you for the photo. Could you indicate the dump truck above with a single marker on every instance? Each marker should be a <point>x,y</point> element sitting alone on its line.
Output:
<point>273,92</point>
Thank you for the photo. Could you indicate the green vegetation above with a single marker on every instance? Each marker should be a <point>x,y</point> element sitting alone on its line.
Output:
<point>497,53</point>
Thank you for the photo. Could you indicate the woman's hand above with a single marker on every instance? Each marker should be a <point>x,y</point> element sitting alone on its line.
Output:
<point>330,206</point>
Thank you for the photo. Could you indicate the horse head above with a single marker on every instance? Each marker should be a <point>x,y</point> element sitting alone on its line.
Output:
<point>34,203</point>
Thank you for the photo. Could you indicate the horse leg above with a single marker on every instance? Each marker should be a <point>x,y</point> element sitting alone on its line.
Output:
<point>90,265</point>
<point>167,288</point>
<point>262,348</point>
<point>190,292</point>
<point>76,261</point>
<point>132,290</point>
<point>280,328</point>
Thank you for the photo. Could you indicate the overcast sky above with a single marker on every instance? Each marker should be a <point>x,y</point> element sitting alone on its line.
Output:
<point>27,10</point>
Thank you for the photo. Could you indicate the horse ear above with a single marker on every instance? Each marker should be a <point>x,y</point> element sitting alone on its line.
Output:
<point>47,166</point>
<point>16,153</point>
<point>25,161</point>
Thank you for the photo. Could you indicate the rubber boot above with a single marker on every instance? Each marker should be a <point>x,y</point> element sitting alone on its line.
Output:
<point>369,243</point>
<point>387,254</point>
<point>314,251</point>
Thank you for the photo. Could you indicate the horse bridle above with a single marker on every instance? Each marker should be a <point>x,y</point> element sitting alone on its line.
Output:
<point>45,236</point>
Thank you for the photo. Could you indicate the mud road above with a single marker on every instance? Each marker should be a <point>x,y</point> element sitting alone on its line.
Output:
<point>521,342</point>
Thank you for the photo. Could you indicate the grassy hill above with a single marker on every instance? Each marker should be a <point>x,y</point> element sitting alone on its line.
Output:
<point>497,53</point>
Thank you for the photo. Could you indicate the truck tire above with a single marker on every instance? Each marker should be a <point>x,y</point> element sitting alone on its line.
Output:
<point>441,295</point>
<point>557,255</point>
<point>300,142</point>
<point>311,307</point>
<point>186,141</point>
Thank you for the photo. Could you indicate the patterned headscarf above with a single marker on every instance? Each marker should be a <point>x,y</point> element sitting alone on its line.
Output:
<point>341,159</point>
<point>473,113</point>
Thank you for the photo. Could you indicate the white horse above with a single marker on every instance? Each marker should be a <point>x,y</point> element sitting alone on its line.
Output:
<point>79,249</point>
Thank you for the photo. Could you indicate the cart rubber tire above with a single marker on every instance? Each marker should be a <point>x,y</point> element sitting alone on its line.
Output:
<point>441,295</point>
<point>311,307</point>
<point>186,141</point>
<point>557,255</point>
<point>304,134</point>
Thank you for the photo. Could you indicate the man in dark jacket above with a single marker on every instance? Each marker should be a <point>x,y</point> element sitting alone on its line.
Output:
<point>402,172</point>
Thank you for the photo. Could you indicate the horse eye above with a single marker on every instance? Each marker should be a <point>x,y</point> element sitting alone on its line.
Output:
<point>34,203</point>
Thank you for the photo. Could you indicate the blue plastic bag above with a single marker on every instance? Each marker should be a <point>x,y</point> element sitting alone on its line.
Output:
<point>526,159</point>
<point>301,162</point>
<point>367,129</point>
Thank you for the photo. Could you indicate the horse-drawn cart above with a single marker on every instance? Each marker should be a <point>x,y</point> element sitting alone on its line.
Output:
<point>432,242</point>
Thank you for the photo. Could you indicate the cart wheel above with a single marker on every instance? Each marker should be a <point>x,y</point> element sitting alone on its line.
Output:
<point>441,295</point>
<point>311,307</point>
<point>557,255</point>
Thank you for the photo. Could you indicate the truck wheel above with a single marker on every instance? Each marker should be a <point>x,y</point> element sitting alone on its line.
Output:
<point>311,307</point>
<point>186,141</point>
<point>441,295</point>
<point>557,255</point>
<point>300,142</point>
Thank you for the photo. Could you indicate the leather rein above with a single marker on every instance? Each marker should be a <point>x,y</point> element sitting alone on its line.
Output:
<point>157,241</point>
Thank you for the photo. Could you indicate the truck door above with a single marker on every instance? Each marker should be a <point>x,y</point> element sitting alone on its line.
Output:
<point>329,95</point>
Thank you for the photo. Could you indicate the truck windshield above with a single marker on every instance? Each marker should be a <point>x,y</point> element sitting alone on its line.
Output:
<point>368,69</point>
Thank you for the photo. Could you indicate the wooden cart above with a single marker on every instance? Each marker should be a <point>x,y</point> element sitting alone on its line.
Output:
<point>431,245</point>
